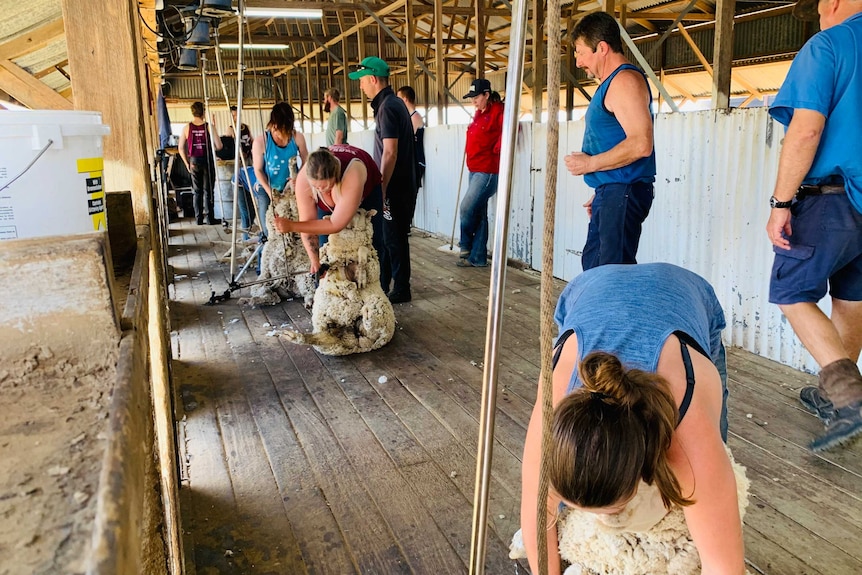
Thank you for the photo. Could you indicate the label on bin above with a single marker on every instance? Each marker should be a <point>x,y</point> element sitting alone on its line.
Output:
<point>94,189</point>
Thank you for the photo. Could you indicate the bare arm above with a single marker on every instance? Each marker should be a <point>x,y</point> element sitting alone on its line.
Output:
<point>530,469</point>
<point>258,148</point>
<point>303,149</point>
<point>387,162</point>
<point>702,467</point>
<point>307,214</point>
<point>182,145</point>
<point>417,120</point>
<point>339,136</point>
<point>352,184</point>
<point>215,137</point>
<point>627,99</point>
<point>797,155</point>
<point>529,494</point>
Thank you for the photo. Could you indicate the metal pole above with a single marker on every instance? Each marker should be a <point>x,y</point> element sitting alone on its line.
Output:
<point>498,279</point>
<point>237,132</point>
<point>214,175</point>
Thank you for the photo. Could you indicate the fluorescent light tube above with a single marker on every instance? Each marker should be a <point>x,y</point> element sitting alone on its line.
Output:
<point>283,13</point>
<point>255,46</point>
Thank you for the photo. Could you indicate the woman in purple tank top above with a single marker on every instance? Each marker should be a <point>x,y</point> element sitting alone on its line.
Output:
<point>336,181</point>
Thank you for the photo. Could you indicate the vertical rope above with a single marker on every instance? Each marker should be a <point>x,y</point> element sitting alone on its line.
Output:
<point>547,330</point>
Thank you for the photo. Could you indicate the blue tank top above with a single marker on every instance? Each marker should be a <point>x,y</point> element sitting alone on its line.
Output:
<point>276,161</point>
<point>603,132</point>
<point>631,310</point>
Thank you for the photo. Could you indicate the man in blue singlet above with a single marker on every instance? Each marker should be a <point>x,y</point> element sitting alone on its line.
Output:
<point>617,157</point>
<point>815,225</point>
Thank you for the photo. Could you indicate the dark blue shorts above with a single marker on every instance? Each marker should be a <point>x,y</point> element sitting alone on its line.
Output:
<point>825,251</point>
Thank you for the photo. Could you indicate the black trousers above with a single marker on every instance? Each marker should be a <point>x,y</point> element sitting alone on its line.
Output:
<point>203,187</point>
<point>395,265</point>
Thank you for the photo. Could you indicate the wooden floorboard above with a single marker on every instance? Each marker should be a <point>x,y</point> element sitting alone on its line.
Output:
<point>297,463</point>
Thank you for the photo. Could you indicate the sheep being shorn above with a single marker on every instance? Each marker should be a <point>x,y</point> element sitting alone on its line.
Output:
<point>283,259</point>
<point>644,539</point>
<point>351,314</point>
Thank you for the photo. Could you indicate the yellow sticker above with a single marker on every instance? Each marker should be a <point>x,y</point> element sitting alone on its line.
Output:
<point>90,165</point>
<point>95,191</point>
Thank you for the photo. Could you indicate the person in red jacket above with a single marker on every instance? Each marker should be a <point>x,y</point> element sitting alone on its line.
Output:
<point>483,162</point>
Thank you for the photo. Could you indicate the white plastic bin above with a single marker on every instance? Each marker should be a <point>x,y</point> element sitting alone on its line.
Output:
<point>57,191</point>
<point>223,197</point>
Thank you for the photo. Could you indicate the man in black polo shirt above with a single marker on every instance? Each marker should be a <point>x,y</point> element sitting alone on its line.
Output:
<point>393,152</point>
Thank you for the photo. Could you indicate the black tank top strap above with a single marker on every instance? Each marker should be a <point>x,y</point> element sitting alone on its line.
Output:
<point>689,381</point>
<point>558,347</point>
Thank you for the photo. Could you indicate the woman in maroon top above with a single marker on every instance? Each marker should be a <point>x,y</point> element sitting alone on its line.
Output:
<point>483,160</point>
<point>335,181</point>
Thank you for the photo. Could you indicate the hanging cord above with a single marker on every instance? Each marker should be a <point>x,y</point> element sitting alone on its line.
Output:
<point>547,329</point>
<point>30,165</point>
<point>239,157</point>
<point>214,176</point>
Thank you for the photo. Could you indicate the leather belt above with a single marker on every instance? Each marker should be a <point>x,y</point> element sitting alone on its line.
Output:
<point>822,190</point>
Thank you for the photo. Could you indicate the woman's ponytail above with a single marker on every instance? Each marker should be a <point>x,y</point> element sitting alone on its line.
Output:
<point>613,432</point>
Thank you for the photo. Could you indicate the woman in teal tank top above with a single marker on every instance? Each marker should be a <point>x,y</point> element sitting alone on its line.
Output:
<point>271,152</point>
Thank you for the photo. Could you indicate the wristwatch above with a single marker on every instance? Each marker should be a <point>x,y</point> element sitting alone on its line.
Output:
<point>774,203</point>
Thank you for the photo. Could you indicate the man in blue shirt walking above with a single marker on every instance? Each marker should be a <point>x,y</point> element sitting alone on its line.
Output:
<point>816,221</point>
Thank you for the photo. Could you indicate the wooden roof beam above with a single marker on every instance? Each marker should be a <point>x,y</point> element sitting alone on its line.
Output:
<point>31,41</point>
<point>394,6</point>
<point>19,84</point>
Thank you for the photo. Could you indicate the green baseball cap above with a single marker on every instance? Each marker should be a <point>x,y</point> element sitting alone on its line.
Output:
<point>370,66</point>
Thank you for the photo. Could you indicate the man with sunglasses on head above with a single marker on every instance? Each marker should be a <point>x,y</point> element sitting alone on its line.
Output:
<point>617,157</point>
<point>394,153</point>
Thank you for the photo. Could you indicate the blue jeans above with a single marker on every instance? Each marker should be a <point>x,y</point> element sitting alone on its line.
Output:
<point>244,202</point>
<point>474,217</point>
<point>263,202</point>
<point>619,211</point>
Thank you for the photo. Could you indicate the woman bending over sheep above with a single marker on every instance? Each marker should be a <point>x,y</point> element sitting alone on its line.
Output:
<point>639,389</point>
<point>336,181</point>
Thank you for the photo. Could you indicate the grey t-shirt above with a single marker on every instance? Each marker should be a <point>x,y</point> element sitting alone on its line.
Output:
<point>337,121</point>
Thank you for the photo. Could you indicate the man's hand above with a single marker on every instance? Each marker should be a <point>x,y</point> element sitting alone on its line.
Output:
<point>779,222</point>
<point>589,206</point>
<point>283,225</point>
<point>577,163</point>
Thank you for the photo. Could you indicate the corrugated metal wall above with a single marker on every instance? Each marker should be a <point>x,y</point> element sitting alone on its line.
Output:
<point>715,174</point>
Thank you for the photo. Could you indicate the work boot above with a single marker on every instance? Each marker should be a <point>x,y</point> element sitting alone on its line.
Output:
<point>814,401</point>
<point>842,383</point>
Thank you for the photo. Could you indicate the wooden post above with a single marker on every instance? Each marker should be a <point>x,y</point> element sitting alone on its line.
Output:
<point>438,55</point>
<point>96,64</point>
<point>310,95</point>
<point>346,65</point>
<point>412,75</point>
<point>480,38</point>
<point>538,58</point>
<point>722,54</point>
<point>570,62</point>
<point>360,35</point>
